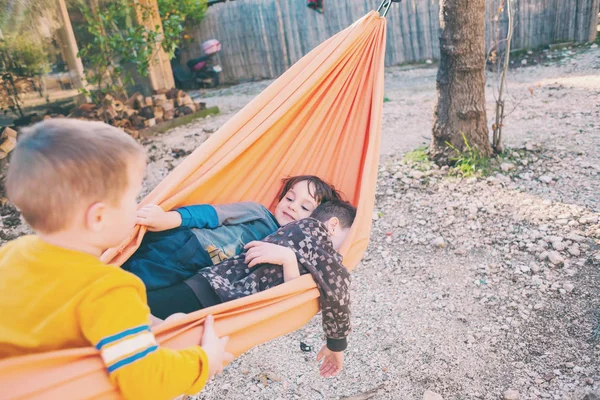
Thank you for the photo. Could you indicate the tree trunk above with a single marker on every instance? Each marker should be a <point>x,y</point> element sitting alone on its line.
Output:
<point>460,107</point>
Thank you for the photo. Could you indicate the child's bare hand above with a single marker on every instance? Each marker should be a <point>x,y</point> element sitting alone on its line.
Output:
<point>333,362</point>
<point>214,347</point>
<point>261,252</point>
<point>156,219</point>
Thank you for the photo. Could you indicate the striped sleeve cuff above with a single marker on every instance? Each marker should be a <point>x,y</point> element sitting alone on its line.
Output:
<point>126,347</point>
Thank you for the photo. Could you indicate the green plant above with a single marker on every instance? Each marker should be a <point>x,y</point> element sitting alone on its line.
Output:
<point>178,19</point>
<point>418,155</point>
<point>22,56</point>
<point>117,42</point>
<point>470,161</point>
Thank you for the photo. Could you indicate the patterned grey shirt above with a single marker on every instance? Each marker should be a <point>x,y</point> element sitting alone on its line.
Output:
<point>308,238</point>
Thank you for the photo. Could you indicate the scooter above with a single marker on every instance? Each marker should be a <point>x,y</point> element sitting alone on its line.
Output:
<point>201,72</point>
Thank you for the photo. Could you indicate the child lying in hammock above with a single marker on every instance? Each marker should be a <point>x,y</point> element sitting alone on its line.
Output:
<point>306,246</point>
<point>183,241</point>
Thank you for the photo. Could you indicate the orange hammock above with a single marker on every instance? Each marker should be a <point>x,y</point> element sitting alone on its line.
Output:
<point>322,117</point>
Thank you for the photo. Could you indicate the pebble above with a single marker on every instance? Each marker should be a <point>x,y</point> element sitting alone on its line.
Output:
<point>545,179</point>
<point>439,242</point>
<point>559,246</point>
<point>568,287</point>
<point>416,174</point>
<point>574,251</point>
<point>575,237</point>
<point>538,306</point>
<point>555,258</point>
<point>511,395</point>
<point>506,167</point>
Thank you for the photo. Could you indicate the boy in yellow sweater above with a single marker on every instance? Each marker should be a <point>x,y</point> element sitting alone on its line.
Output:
<point>76,184</point>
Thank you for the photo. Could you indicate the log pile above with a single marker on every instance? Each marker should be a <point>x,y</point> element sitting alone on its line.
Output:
<point>8,141</point>
<point>139,112</point>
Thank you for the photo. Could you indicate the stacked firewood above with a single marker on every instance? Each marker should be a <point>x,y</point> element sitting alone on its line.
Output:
<point>140,112</point>
<point>8,141</point>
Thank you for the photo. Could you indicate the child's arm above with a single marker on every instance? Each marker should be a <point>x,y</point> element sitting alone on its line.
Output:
<point>156,219</point>
<point>114,318</point>
<point>202,216</point>
<point>262,252</point>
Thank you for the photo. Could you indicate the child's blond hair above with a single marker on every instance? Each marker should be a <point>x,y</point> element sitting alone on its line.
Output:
<point>60,164</point>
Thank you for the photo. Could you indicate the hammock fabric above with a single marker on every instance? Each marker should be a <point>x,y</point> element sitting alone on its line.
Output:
<point>321,117</point>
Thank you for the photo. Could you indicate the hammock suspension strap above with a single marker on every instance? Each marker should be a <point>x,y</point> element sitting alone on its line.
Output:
<point>385,6</point>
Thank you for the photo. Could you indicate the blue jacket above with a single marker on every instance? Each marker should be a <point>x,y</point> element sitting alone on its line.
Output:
<point>207,235</point>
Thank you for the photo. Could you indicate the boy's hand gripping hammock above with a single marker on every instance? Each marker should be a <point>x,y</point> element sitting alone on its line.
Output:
<point>321,117</point>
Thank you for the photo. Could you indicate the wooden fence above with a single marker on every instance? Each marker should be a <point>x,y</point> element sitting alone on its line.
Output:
<point>262,38</point>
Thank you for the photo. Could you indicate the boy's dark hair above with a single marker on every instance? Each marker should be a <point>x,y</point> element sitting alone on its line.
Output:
<point>320,190</point>
<point>343,210</point>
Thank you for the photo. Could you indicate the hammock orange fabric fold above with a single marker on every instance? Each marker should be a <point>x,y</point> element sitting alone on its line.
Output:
<point>322,117</point>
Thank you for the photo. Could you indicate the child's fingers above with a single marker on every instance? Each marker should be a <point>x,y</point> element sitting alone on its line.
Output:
<point>208,325</point>
<point>252,244</point>
<point>141,221</point>
<point>146,209</point>
<point>252,254</point>
<point>327,369</point>
<point>224,341</point>
<point>321,353</point>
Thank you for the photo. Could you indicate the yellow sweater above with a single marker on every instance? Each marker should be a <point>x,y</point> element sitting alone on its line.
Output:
<point>52,298</point>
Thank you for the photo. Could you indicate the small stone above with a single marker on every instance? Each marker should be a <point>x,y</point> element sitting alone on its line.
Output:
<point>523,62</point>
<point>589,381</point>
<point>543,255</point>
<point>449,221</point>
<point>555,258</point>
<point>538,306</point>
<point>511,395</point>
<point>438,242</point>
<point>429,62</point>
<point>577,370</point>
<point>429,395</point>
<point>530,146</point>
<point>574,250</point>
<point>375,215</point>
<point>506,167</point>
<point>575,237</point>
<point>569,365</point>
<point>416,174</point>
<point>559,246</point>
<point>594,46</point>
<point>568,286</point>
<point>525,269</point>
<point>545,179</point>
<point>535,268</point>
<point>549,376</point>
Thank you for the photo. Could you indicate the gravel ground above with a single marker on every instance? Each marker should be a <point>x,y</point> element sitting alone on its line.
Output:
<point>471,288</point>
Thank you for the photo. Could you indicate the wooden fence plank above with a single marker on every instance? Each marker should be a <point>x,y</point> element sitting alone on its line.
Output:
<point>262,38</point>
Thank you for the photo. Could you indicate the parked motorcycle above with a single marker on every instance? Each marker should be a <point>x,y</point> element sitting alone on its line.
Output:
<point>201,72</point>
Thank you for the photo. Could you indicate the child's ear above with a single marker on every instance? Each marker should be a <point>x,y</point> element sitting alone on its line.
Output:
<point>333,225</point>
<point>94,218</point>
